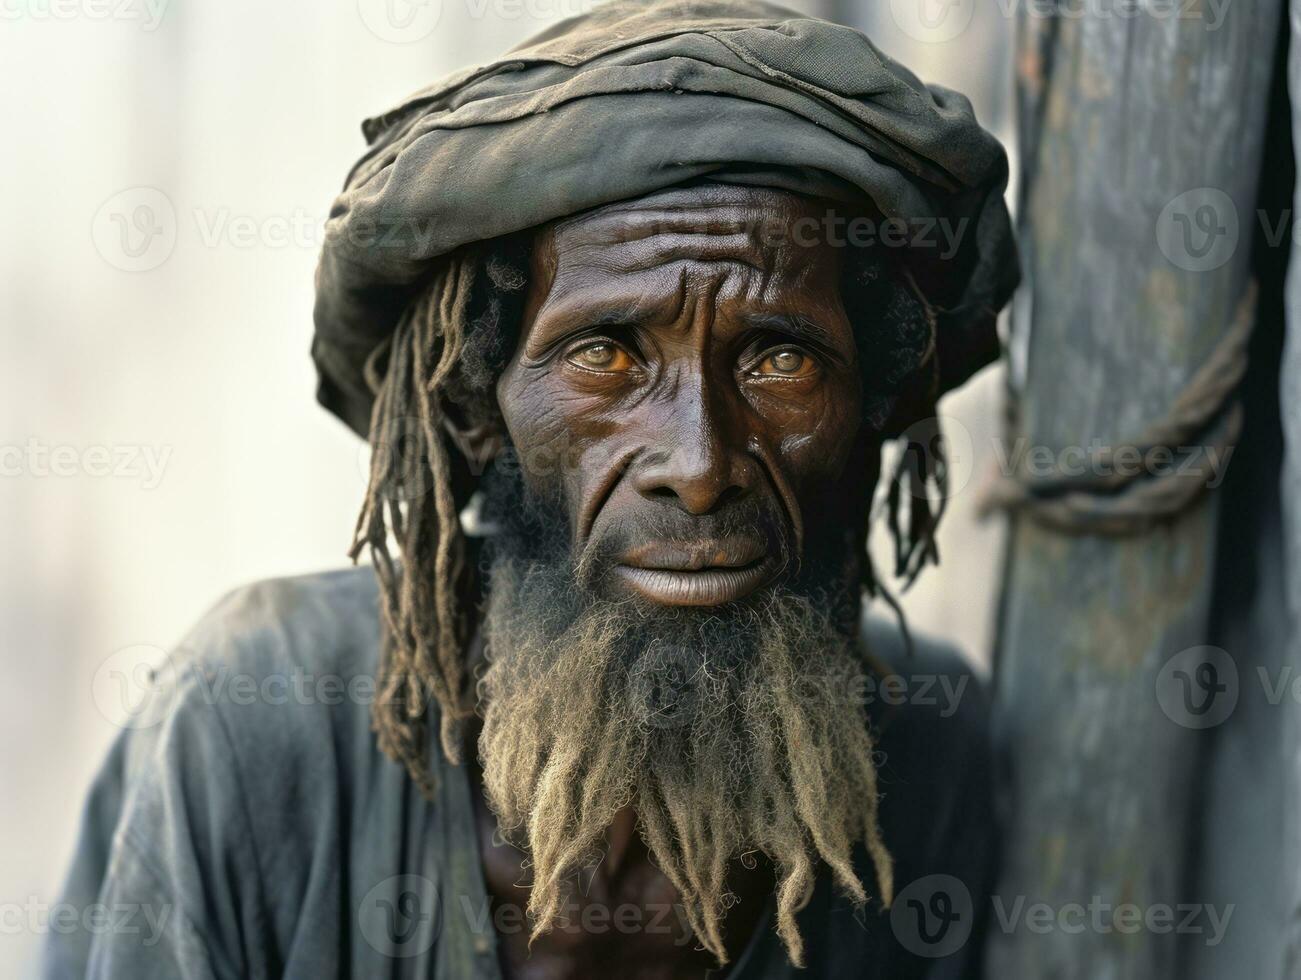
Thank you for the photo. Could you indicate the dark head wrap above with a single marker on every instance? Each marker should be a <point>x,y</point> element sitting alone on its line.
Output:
<point>634,97</point>
<point>630,99</point>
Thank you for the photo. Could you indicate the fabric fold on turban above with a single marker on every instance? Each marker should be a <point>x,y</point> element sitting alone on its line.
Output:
<point>634,97</point>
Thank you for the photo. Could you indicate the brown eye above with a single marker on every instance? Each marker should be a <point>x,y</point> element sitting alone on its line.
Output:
<point>602,356</point>
<point>785,364</point>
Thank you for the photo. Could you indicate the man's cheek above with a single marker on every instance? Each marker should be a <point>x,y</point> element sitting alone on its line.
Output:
<point>538,430</point>
<point>819,447</point>
<point>811,468</point>
<point>541,456</point>
<point>566,469</point>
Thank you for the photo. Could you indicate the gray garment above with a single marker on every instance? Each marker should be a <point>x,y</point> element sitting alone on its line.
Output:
<point>248,826</point>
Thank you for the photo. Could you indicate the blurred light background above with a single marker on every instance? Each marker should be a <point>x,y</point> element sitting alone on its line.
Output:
<point>160,443</point>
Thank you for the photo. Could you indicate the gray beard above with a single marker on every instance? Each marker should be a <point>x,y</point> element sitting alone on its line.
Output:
<point>729,731</point>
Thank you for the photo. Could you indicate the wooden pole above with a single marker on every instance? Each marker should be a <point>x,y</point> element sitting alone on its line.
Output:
<point>1141,132</point>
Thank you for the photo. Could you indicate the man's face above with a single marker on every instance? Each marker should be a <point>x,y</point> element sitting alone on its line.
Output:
<point>686,391</point>
<point>672,606</point>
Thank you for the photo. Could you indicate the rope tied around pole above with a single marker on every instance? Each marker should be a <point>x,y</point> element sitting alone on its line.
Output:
<point>1115,503</point>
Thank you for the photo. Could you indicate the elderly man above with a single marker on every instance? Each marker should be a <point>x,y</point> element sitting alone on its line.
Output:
<point>627,317</point>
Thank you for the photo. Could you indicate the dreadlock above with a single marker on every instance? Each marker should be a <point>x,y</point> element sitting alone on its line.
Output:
<point>423,378</point>
<point>901,380</point>
<point>440,366</point>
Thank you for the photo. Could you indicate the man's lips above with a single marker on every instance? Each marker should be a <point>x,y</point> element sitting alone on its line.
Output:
<point>698,573</point>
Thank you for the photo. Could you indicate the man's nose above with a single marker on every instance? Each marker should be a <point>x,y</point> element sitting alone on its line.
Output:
<point>697,460</point>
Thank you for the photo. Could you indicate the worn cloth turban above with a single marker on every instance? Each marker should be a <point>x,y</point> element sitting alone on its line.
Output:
<point>634,97</point>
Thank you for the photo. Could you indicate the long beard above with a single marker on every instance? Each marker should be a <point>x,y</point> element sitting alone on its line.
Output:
<point>729,731</point>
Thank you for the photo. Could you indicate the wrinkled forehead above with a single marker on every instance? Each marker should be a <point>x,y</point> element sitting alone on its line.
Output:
<point>779,234</point>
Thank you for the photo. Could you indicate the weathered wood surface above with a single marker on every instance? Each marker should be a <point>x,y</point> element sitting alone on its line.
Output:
<point>1121,115</point>
<point>1290,495</point>
<point>1247,781</point>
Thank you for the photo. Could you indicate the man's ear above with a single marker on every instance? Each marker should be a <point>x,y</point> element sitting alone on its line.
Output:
<point>479,442</point>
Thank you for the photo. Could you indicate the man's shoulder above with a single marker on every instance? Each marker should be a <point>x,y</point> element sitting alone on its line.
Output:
<point>932,678</point>
<point>271,673</point>
<point>325,622</point>
<point>267,698</point>
<point>231,786</point>
<point>930,713</point>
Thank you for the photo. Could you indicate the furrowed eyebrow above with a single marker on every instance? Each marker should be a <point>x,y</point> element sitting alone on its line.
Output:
<point>630,315</point>
<point>583,315</point>
<point>564,324</point>
<point>799,327</point>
